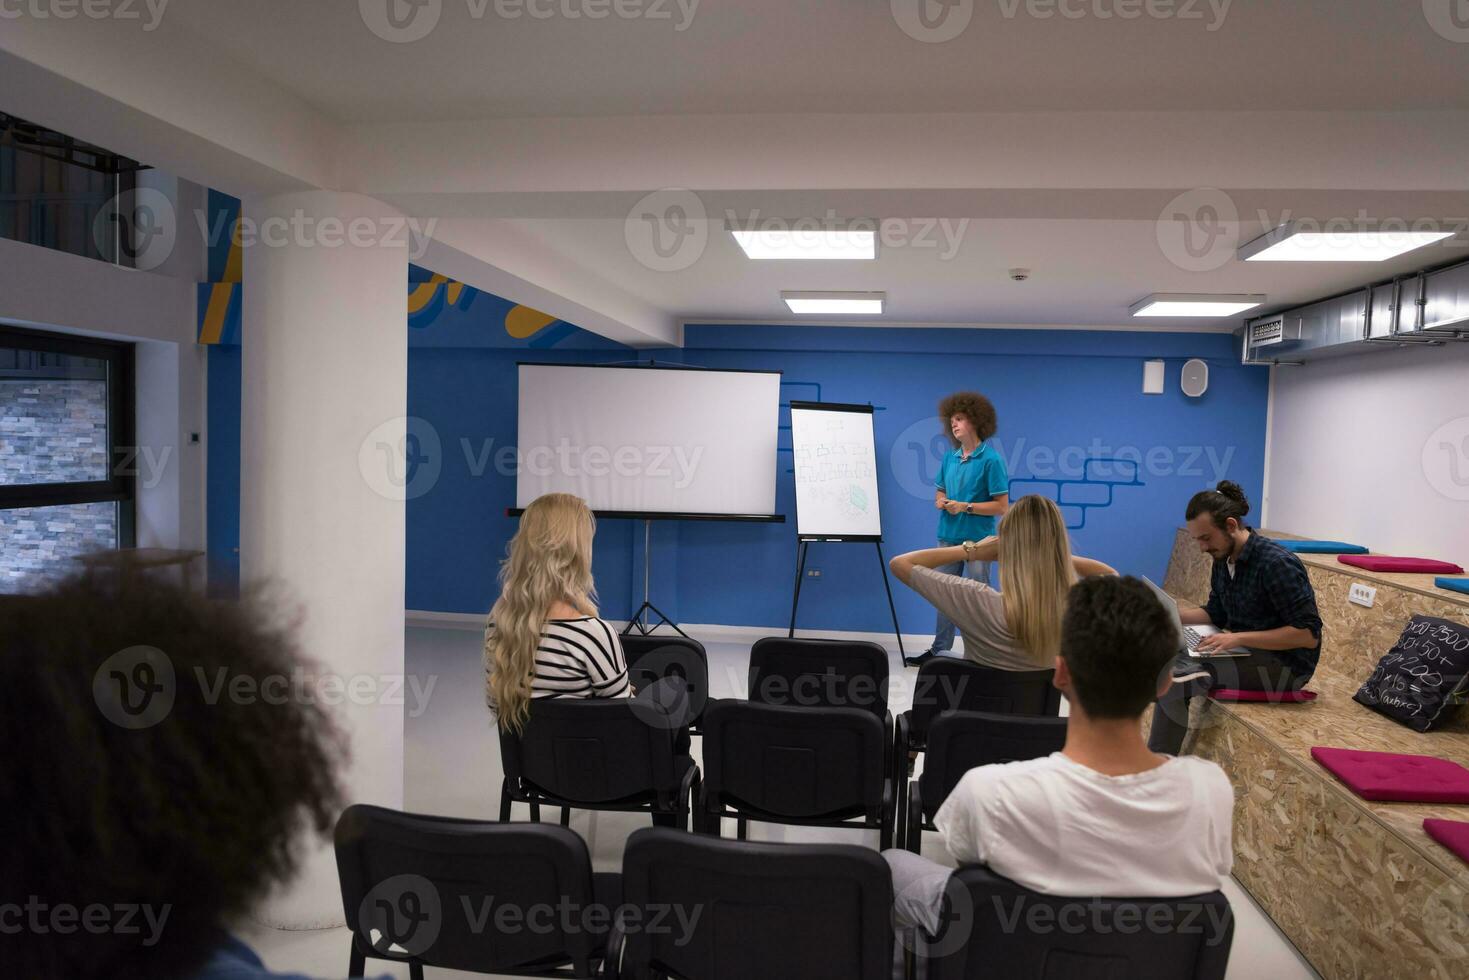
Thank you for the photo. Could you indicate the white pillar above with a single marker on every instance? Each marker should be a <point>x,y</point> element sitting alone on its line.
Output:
<point>326,372</point>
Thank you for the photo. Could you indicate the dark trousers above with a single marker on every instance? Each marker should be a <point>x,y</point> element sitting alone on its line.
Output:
<point>1260,671</point>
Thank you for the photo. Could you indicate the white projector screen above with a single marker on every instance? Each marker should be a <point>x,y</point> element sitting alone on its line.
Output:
<point>836,471</point>
<point>650,441</point>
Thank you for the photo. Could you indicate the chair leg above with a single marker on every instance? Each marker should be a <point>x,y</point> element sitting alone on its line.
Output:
<point>566,816</point>
<point>505,801</point>
<point>415,971</point>
<point>741,829</point>
<point>535,813</point>
<point>357,965</point>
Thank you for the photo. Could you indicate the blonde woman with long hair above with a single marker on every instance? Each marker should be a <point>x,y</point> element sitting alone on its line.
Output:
<point>1018,627</point>
<point>544,639</point>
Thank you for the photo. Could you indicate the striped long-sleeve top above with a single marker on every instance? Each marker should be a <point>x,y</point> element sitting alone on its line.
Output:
<point>578,658</point>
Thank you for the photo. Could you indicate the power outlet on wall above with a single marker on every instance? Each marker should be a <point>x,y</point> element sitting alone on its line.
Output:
<point>813,573</point>
<point>1362,595</point>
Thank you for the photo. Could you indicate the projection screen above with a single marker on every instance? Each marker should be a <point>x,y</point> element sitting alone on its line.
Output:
<point>646,441</point>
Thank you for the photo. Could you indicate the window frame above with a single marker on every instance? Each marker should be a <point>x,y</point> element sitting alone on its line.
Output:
<point>120,487</point>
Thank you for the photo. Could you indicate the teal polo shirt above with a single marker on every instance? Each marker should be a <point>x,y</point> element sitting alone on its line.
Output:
<point>978,479</point>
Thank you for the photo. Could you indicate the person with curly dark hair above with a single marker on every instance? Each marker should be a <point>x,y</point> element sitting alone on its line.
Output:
<point>972,492</point>
<point>152,791</point>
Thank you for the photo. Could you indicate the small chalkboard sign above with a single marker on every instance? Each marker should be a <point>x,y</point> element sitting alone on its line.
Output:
<point>1424,677</point>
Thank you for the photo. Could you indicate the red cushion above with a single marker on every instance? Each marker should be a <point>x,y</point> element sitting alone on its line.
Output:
<point>1396,778</point>
<point>1282,697</point>
<point>1453,834</point>
<point>1385,563</point>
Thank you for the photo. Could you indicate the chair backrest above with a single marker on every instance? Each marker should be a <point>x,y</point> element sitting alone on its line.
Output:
<point>819,673</point>
<point>995,928</point>
<point>959,741</point>
<point>651,659</point>
<point>794,762</point>
<point>951,684</point>
<point>735,910</point>
<point>591,750</point>
<point>434,887</point>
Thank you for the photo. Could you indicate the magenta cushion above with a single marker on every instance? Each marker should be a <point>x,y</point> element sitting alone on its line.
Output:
<point>1453,834</point>
<point>1282,697</point>
<point>1386,563</point>
<point>1396,778</point>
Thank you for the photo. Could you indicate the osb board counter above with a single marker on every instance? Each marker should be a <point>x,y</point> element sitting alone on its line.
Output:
<point>1358,886</point>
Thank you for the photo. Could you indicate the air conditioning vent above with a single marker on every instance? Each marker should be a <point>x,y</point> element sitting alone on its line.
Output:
<point>1272,330</point>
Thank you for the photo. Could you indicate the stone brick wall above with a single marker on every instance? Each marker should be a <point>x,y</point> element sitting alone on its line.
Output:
<point>36,543</point>
<point>52,431</point>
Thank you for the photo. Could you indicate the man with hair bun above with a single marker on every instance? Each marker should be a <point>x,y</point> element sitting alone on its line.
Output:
<point>972,492</point>
<point>1260,598</point>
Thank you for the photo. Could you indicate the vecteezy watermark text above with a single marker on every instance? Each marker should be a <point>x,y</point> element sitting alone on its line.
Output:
<point>150,12</point>
<point>406,21</point>
<point>42,918</point>
<point>138,687</point>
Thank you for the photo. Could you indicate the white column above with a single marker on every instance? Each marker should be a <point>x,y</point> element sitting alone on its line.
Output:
<point>325,374</point>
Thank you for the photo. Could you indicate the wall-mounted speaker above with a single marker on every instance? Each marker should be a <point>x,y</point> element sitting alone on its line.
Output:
<point>1195,379</point>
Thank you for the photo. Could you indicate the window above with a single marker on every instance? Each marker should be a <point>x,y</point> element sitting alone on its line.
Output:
<point>66,455</point>
<point>62,193</point>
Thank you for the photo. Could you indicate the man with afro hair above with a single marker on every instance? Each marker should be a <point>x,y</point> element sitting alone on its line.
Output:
<point>971,493</point>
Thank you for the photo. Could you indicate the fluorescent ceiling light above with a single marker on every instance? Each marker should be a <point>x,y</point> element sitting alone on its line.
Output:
<point>1195,304</point>
<point>1309,241</point>
<point>798,242</point>
<point>835,304</point>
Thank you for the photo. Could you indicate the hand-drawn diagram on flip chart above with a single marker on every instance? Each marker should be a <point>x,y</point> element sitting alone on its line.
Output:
<point>836,471</point>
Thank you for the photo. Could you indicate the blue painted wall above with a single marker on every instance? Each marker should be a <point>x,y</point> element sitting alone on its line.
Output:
<point>1067,402</point>
<point>1074,425</point>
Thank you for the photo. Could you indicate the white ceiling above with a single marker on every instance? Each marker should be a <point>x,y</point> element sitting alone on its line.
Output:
<point>758,56</point>
<point>1065,143</point>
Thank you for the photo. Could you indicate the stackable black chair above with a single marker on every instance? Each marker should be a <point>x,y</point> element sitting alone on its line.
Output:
<point>651,659</point>
<point>993,927</point>
<point>958,741</point>
<point>820,673</point>
<point>951,684</point>
<point>425,891</point>
<point>596,754</point>
<point>710,909</point>
<point>825,767</point>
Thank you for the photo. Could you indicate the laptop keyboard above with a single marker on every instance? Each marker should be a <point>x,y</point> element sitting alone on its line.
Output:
<point>1191,638</point>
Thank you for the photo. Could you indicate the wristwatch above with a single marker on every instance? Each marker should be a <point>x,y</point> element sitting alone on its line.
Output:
<point>969,547</point>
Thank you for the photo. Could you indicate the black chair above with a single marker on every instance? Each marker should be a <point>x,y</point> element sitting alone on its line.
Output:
<point>958,741</point>
<point>951,684</point>
<point>993,927</point>
<point>432,887</point>
<point>651,659</point>
<point>748,911</point>
<point>824,767</point>
<point>820,673</point>
<point>595,754</point>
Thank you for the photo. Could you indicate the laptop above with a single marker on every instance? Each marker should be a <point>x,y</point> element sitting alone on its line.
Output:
<point>1191,635</point>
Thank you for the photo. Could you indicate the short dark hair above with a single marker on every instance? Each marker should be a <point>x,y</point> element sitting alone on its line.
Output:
<point>978,409</point>
<point>173,798</point>
<point>1225,501</point>
<point>1116,638</point>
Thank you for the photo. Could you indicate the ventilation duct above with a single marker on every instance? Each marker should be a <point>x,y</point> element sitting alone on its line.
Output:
<point>1430,307</point>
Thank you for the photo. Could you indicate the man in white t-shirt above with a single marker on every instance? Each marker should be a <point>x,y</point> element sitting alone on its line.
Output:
<point>1104,816</point>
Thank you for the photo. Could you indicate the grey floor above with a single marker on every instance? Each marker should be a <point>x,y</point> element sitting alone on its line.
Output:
<point>452,767</point>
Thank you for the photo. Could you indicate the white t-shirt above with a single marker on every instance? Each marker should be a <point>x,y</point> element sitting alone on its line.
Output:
<point>1059,828</point>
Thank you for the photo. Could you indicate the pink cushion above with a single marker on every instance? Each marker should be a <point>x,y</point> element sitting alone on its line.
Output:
<point>1453,834</point>
<point>1281,697</point>
<point>1396,778</point>
<point>1385,563</point>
